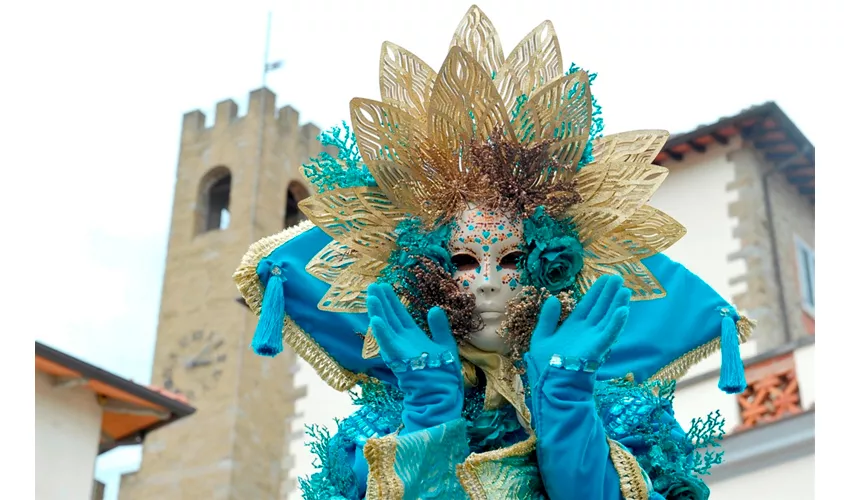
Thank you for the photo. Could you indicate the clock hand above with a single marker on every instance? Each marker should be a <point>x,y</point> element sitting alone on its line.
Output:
<point>203,362</point>
<point>197,361</point>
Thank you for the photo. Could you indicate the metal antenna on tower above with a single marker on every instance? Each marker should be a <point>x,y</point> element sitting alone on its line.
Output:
<point>268,67</point>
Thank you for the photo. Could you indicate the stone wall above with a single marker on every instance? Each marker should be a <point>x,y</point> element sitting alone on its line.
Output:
<point>793,216</point>
<point>235,445</point>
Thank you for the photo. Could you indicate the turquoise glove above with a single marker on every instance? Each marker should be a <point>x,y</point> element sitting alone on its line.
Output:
<point>572,447</point>
<point>427,369</point>
<point>583,341</point>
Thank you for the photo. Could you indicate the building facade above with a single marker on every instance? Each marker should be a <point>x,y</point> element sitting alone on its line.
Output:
<point>82,411</point>
<point>745,189</point>
<point>67,431</point>
<point>238,180</point>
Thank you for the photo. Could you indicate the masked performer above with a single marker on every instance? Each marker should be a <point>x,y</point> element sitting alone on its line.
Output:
<point>484,266</point>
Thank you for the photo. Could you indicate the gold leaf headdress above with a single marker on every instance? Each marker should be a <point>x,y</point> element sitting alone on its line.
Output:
<point>412,142</point>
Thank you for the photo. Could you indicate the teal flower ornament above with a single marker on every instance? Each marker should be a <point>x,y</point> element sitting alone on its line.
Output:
<point>684,487</point>
<point>555,264</point>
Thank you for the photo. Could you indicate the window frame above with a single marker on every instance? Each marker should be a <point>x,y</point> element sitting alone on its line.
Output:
<point>805,259</point>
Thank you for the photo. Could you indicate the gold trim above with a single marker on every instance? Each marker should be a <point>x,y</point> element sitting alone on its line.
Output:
<point>468,476</point>
<point>246,278</point>
<point>632,485</point>
<point>370,345</point>
<point>294,336</point>
<point>470,376</point>
<point>382,482</point>
<point>310,351</point>
<point>503,383</point>
<point>679,367</point>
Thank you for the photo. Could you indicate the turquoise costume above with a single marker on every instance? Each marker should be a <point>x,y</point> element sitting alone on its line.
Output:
<point>585,409</point>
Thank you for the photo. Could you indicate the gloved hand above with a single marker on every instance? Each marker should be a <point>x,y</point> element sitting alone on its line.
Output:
<point>572,446</point>
<point>583,341</point>
<point>428,369</point>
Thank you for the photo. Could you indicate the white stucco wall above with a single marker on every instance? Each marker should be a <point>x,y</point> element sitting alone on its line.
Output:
<point>804,358</point>
<point>793,480</point>
<point>700,399</point>
<point>67,432</point>
<point>695,194</point>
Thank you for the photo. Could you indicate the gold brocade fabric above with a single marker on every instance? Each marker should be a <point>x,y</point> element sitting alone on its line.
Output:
<point>632,484</point>
<point>421,460</point>
<point>503,383</point>
<point>505,473</point>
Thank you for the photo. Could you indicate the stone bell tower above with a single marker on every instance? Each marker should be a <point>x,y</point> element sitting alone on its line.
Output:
<point>237,181</point>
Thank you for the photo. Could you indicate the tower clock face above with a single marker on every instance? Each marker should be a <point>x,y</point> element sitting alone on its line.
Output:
<point>195,365</point>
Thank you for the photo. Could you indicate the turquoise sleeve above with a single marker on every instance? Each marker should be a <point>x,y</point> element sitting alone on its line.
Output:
<point>572,447</point>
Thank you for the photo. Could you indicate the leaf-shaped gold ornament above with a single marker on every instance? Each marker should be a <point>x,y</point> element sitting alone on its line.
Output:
<point>647,232</point>
<point>347,294</point>
<point>361,218</point>
<point>465,104</point>
<point>331,261</point>
<point>561,111</point>
<point>533,63</point>
<point>636,277</point>
<point>624,189</point>
<point>406,80</point>
<point>477,35</point>
<point>637,146</point>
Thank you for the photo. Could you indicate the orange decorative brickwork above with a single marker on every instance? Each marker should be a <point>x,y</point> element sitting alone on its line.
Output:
<point>772,392</point>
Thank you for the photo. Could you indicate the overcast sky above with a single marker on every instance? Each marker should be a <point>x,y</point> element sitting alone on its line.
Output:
<point>113,82</point>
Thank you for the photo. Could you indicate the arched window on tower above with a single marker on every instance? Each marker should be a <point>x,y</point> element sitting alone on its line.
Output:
<point>213,208</point>
<point>294,193</point>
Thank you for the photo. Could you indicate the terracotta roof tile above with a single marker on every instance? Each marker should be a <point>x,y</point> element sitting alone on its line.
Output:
<point>173,395</point>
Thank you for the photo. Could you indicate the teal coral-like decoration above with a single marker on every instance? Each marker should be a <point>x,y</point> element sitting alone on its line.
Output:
<point>379,412</point>
<point>384,397</point>
<point>345,170</point>
<point>596,122</point>
<point>640,417</point>
<point>415,244</point>
<point>335,478</point>
<point>706,434</point>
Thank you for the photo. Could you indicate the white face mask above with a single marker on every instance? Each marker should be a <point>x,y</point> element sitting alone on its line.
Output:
<point>485,249</point>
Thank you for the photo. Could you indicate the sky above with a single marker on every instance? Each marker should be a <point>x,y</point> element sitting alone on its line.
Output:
<point>107,83</point>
